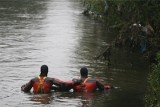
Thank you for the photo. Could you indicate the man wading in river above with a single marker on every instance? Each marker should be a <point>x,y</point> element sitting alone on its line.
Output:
<point>85,83</point>
<point>43,84</point>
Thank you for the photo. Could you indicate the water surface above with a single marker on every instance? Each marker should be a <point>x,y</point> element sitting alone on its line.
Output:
<point>54,32</point>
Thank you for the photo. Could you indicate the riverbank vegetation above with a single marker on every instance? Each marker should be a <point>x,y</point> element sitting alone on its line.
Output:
<point>137,24</point>
<point>153,95</point>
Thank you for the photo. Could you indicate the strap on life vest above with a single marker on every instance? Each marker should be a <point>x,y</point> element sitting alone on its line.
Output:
<point>83,84</point>
<point>40,88</point>
<point>85,80</point>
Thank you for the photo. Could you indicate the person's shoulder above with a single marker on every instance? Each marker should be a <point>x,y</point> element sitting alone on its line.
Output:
<point>34,78</point>
<point>77,81</point>
<point>93,79</point>
<point>49,78</point>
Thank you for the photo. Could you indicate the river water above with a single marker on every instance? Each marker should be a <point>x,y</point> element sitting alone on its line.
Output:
<point>55,33</point>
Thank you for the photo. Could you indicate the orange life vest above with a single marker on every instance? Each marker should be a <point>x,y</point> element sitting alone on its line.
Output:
<point>40,85</point>
<point>86,86</point>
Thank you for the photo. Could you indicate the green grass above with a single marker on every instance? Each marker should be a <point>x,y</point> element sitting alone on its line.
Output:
<point>153,96</point>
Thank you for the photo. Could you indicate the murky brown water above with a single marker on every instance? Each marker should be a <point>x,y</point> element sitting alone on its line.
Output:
<point>54,32</point>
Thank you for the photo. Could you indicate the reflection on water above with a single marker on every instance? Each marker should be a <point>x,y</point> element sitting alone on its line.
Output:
<point>42,98</point>
<point>54,32</point>
<point>69,99</point>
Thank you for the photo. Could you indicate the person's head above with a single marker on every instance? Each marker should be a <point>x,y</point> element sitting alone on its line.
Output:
<point>44,70</point>
<point>84,72</point>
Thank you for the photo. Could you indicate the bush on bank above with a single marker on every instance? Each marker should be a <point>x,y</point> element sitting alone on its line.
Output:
<point>153,95</point>
<point>122,15</point>
<point>126,11</point>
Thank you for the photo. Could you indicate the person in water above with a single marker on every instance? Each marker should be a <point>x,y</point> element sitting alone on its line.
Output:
<point>43,84</point>
<point>87,84</point>
<point>83,84</point>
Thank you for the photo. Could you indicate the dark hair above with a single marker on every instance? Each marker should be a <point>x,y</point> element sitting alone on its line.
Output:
<point>44,70</point>
<point>84,72</point>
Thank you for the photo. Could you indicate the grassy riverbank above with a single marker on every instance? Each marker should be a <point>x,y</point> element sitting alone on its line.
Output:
<point>153,95</point>
<point>136,22</point>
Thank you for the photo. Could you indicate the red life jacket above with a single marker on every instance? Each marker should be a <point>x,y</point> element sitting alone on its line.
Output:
<point>86,86</point>
<point>40,86</point>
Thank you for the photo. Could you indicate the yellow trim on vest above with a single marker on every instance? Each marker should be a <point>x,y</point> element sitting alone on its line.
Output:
<point>43,77</point>
<point>83,84</point>
<point>40,88</point>
<point>85,80</point>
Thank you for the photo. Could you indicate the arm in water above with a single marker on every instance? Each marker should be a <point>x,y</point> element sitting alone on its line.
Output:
<point>66,85</point>
<point>27,87</point>
<point>100,86</point>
